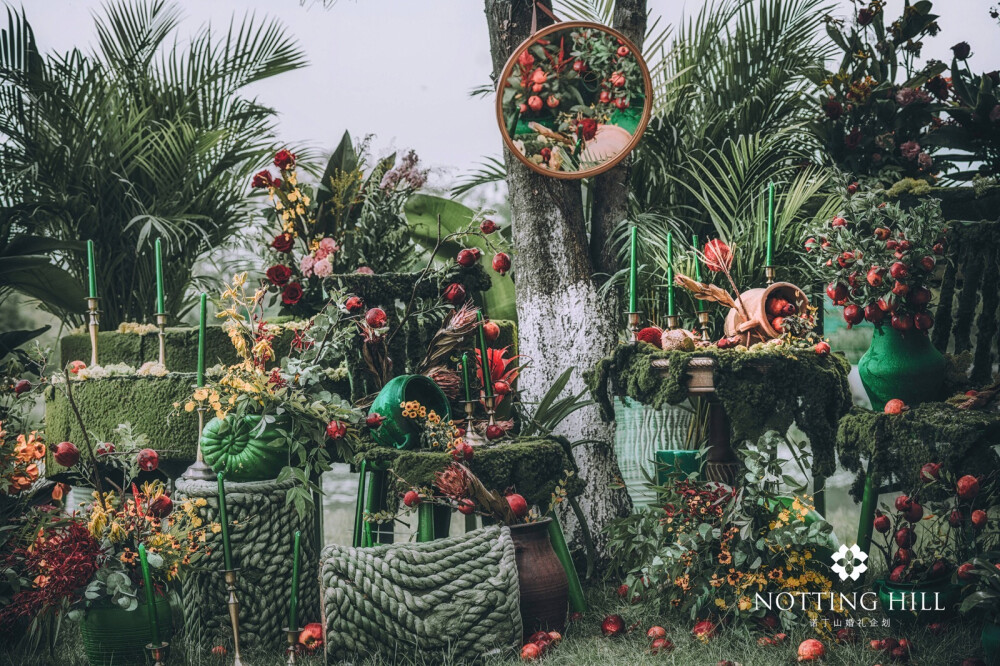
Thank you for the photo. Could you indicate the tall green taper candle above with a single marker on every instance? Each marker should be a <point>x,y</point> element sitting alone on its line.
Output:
<point>154,629</point>
<point>91,270</point>
<point>770,224</point>
<point>159,279</point>
<point>697,270</point>
<point>485,358</point>
<point>670,274</point>
<point>465,377</point>
<point>293,606</point>
<point>633,271</point>
<point>201,339</point>
<point>224,521</point>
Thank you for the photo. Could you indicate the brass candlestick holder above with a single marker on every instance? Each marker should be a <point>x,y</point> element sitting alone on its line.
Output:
<point>769,274</point>
<point>633,326</point>
<point>491,410</point>
<point>161,323</point>
<point>158,653</point>
<point>703,325</point>
<point>234,614</point>
<point>199,470</point>
<point>293,645</point>
<point>673,321</point>
<point>93,322</point>
<point>471,436</point>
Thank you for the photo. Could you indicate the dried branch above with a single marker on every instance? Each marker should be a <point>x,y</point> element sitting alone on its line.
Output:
<point>704,291</point>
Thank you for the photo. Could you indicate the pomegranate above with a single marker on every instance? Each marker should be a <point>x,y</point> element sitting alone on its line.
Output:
<point>466,506</point>
<point>938,249</point>
<point>518,505</point>
<point>104,449</point>
<point>621,103</point>
<point>902,503</point>
<point>491,331</point>
<point>656,632</point>
<point>979,519</point>
<point>336,429</point>
<point>914,513</point>
<point>66,454</point>
<point>622,51</point>
<point>930,471</point>
<point>617,79</point>
<point>874,276</point>
<point>882,233</point>
<point>354,305</point>
<point>965,571</point>
<point>494,432</point>
<point>874,313</point>
<point>538,76</point>
<point>530,652</point>
<point>556,637</point>
<point>535,103</point>
<point>552,101</point>
<point>928,263</point>
<point>776,323</point>
<point>895,406</point>
<point>703,630</point>
<point>838,222</point>
<point>811,650</point>
<point>651,335</point>
<point>605,97</point>
<point>847,635</point>
<point>900,289</point>
<point>887,304</point>
<point>919,296</point>
<point>501,263</point>
<point>22,386</point>
<point>579,66</point>
<point>967,487</point>
<point>525,59</point>
<point>488,227</point>
<point>899,270</point>
<point>77,366</point>
<point>374,420</point>
<point>660,645</point>
<point>852,315</point>
<point>161,506</point>
<point>882,524</point>
<point>923,321</point>
<point>822,348</point>
<point>148,460</point>
<point>219,651</point>
<point>905,537</point>
<point>411,498</point>
<point>376,317</point>
<point>837,292</point>
<point>454,293</point>
<point>623,591</point>
<point>613,625</point>
<point>810,244</point>
<point>902,322</point>
<point>311,637</point>
<point>955,518</point>
<point>898,574</point>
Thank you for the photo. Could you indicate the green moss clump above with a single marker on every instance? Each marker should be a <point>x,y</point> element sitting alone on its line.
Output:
<point>895,446</point>
<point>145,402</point>
<point>531,466</point>
<point>766,388</point>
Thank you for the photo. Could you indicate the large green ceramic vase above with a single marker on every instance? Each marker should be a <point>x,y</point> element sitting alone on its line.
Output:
<point>901,365</point>
<point>112,635</point>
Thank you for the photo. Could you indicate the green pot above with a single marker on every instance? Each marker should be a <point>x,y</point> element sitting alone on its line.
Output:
<point>926,601</point>
<point>676,462</point>
<point>113,636</point>
<point>990,640</point>
<point>236,447</point>
<point>901,365</point>
<point>397,430</point>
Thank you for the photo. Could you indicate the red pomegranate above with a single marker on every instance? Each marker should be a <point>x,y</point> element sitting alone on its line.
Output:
<point>895,406</point>
<point>967,487</point>
<point>882,524</point>
<point>613,625</point>
<point>656,632</point>
<point>822,348</point>
<point>66,454</point>
<point>491,331</point>
<point>411,498</point>
<point>853,314</point>
<point>501,263</point>
<point>467,257</point>
<point>311,637</point>
<point>454,293</point>
<point>376,317</point>
<point>148,460</point>
<point>354,305</point>
<point>518,505</point>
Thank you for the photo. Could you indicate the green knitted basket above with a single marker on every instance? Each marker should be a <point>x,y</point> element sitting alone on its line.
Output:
<point>242,450</point>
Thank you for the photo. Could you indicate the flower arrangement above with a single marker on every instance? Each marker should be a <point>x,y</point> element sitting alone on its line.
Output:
<point>348,221</point>
<point>879,257</point>
<point>564,89</point>
<point>708,549</point>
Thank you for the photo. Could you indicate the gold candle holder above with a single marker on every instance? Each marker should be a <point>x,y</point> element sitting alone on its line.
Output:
<point>703,325</point>
<point>234,614</point>
<point>293,645</point>
<point>161,323</point>
<point>471,436</point>
<point>633,326</point>
<point>491,410</point>
<point>673,321</point>
<point>199,469</point>
<point>158,653</point>
<point>769,274</point>
<point>93,322</point>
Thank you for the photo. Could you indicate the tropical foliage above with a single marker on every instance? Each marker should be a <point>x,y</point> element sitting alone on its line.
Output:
<point>142,137</point>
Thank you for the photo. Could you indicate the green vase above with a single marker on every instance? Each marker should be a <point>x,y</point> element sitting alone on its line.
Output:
<point>990,640</point>
<point>926,601</point>
<point>400,431</point>
<point>112,635</point>
<point>242,450</point>
<point>901,365</point>
<point>676,462</point>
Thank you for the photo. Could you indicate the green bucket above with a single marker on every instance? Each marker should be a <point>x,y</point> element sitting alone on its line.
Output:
<point>926,601</point>
<point>113,636</point>
<point>676,462</point>
<point>397,430</point>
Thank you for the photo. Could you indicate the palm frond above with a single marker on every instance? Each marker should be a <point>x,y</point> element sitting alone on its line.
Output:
<point>490,170</point>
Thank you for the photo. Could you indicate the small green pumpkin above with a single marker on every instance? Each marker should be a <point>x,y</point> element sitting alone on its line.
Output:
<point>236,447</point>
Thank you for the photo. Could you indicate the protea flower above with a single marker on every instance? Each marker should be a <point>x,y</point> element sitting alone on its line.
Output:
<point>453,481</point>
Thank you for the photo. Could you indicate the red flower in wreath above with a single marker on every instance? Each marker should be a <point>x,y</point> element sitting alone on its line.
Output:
<point>586,128</point>
<point>292,293</point>
<point>279,275</point>
<point>283,243</point>
<point>284,160</point>
<point>262,179</point>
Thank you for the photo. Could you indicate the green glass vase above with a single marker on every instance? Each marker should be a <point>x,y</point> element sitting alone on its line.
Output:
<point>899,365</point>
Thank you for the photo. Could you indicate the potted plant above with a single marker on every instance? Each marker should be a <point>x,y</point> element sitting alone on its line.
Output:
<point>983,599</point>
<point>878,259</point>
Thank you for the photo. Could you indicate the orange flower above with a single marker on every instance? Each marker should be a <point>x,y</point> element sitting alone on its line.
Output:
<point>725,557</point>
<point>128,557</point>
<point>775,574</point>
<point>59,491</point>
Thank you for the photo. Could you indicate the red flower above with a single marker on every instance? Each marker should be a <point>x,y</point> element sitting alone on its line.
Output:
<point>833,108</point>
<point>586,128</point>
<point>279,275</point>
<point>853,140</point>
<point>499,365</point>
<point>865,16</point>
<point>284,160</point>
<point>283,243</point>
<point>292,293</point>
<point>262,179</point>
<point>717,255</point>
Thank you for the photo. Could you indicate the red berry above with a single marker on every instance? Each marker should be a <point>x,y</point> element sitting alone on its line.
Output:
<point>895,406</point>
<point>518,505</point>
<point>967,487</point>
<point>66,454</point>
<point>148,460</point>
<point>411,498</point>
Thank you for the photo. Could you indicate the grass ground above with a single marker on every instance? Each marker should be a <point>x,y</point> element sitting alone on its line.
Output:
<point>584,645</point>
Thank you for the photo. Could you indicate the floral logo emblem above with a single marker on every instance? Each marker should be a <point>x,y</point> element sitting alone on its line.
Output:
<point>849,562</point>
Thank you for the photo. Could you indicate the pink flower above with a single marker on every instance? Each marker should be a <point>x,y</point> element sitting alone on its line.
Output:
<point>328,245</point>
<point>924,160</point>
<point>306,265</point>
<point>322,267</point>
<point>910,150</point>
<point>907,96</point>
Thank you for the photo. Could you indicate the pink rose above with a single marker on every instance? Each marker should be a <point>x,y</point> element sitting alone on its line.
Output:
<point>924,160</point>
<point>322,268</point>
<point>329,245</point>
<point>306,265</point>
<point>910,150</point>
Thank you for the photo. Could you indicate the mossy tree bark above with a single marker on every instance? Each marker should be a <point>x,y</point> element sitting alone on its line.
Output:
<point>562,319</point>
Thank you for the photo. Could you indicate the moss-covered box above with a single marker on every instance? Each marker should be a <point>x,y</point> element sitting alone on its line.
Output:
<point>768,387</point>
<point>145,402</point>
<point>531,466</point>
<point>895,446</point>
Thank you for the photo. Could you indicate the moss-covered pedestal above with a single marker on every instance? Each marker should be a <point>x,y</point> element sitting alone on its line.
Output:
<point>262,532</point>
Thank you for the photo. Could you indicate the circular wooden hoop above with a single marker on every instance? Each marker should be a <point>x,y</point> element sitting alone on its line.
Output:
<point>647,109</point>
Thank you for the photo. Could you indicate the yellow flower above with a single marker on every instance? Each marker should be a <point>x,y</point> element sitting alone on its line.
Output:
<point>200,394</point>
<point>720,603</point>
<point>216,528</point>
<point>744,604</point>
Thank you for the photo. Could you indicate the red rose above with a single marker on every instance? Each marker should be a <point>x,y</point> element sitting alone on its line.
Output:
<point>586,128</point>
<point>283,243</point>
<point>262,179</point>
<point>284,160</point>
<point>292,293</point>
<point>279,275</point>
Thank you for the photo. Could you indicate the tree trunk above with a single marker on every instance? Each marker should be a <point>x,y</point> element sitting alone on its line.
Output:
<point>562,319</point>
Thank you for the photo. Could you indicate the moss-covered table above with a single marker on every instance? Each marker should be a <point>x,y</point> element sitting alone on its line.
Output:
<point>766,387</point>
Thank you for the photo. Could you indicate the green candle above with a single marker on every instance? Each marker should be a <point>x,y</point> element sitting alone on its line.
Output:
<point>697,270</point>
<point>465,377</point>
<point>91,270</point>
<point>770,225</point>
<point>485,358</point>
<point>226,550</point>
<point>294,604</point>
<point>670,274</point>
<point>633,272</point>
<point>159,279</point>
<point>201,341</point>
<point>154,629</point>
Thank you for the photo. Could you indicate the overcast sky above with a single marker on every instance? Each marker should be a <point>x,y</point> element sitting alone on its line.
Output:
<point>402,69</point>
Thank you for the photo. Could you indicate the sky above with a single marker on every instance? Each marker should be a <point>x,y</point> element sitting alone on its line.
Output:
<point>402,69</point>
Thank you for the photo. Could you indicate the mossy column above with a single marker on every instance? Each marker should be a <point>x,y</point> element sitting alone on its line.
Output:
<point>262,533</point>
